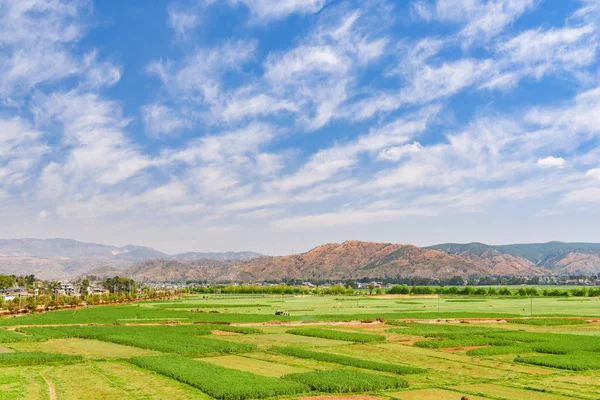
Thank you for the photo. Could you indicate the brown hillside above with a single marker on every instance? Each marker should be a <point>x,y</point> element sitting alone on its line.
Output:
<point>355,259</point>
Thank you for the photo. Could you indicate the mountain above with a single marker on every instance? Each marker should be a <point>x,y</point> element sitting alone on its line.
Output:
<point>349,260</point>
<point>229,255</point>
<point>172,270</point>
<point>64,258</point>
<point>550,258</point>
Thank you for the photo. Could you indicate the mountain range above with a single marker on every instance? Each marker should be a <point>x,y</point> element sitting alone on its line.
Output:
<point>64,258</point>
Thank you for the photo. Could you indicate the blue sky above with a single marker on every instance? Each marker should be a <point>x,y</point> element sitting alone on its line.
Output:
<point>278,125</point>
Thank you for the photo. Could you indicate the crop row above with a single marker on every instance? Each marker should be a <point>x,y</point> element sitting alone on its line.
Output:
<point>36,358</point>
<point>338,335</point>
<point>346,381</point>
<point>568,351</point>
<point>179,339</point>
<point>345,360</point>
<point>219,382</point>
<point>579,361</point>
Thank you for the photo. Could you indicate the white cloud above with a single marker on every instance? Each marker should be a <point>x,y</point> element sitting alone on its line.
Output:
<point>589,195</point>
<point>181,21</point>
<point>43,214</point>
<point>556,162</point>
<point>398,152</point>
<point>347,217</point>
<point>265,10</point>
<point>481,19</point>
<point>594,173</point>
<point>548,212</point>
<point>160,119</point>
<point>21,150</point>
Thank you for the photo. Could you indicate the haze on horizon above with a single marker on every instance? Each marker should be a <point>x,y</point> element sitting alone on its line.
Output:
<point>278,125</point>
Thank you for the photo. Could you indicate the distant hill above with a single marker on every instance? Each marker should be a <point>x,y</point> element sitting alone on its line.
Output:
<point>552,257</point>
<point>229,255</point>
<point>333,261</point>
<point>355,259</point>
<point>63,258</point>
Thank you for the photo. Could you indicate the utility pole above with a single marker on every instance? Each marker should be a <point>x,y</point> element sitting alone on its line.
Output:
<point>531,299</point>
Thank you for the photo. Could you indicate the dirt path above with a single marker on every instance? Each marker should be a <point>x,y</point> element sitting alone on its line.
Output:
<point>51,388</point>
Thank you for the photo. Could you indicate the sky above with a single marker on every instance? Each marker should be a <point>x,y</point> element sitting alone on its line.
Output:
<point>279,125</point>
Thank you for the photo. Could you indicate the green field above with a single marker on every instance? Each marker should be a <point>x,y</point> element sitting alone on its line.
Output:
<point>234,347</point>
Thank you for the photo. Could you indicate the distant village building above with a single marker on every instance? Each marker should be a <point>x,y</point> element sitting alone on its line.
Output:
<point>18,291</point>
<point>97,290</point>
<point>66,289</point>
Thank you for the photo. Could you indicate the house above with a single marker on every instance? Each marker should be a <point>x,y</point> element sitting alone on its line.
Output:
<point>18,291</point>
<point>97,290</point>
<point>66,289</point>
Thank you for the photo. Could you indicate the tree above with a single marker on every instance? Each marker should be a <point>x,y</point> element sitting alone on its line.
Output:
<point>85,284</point>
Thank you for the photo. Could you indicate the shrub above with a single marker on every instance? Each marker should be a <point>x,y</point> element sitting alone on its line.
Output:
<point>219,382</point>
<point>346,381</point>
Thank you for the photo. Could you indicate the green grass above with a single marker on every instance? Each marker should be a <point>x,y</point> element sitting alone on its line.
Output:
<point>580,361</point>
<point>347,381</point>
<point>36,358</point>
<point>219,382</point>
<point>349,361</point>
<point>338,335</point>
<point>548,322</point>
<point>12,337</point>
<point>209,305</point>
<point>184,340</point>
<point>496,351</point>
<point>462,342</point>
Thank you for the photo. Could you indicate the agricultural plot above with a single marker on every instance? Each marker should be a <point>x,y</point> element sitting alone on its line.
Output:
<point>219,382</point>
<point>235,347</point>
<point>185,340</point>
<point>347,381</point>
<point>338,335</point>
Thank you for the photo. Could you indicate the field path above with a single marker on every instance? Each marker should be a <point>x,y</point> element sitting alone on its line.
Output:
<point>51,388</point>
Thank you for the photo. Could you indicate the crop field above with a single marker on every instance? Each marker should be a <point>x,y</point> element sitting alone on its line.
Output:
<point>234,347</point>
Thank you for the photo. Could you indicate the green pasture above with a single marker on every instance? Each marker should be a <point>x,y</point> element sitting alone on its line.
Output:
<point>234,347</point>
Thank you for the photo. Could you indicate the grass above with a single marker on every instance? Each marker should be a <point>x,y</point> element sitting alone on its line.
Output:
<point>349,361</point>
<point>12,337</point>
<point>580,361</point>
<point>208,305</point>
<point>338,335</point>
<point>179,339</point>
<point>347,381</point>
<point>36,358</point>
<point>548,353</point>
<point>219,382</point>
<point>548,322</point>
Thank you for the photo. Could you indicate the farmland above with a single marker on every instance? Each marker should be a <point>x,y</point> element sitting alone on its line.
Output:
<point>234,347</point>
